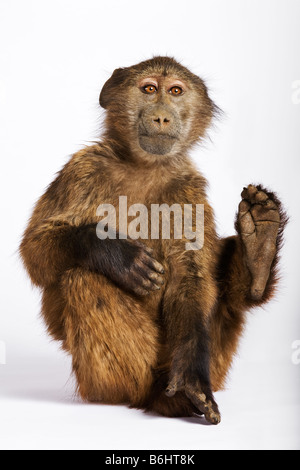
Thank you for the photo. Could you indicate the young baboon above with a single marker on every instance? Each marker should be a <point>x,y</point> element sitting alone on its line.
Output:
<point>149,323</point>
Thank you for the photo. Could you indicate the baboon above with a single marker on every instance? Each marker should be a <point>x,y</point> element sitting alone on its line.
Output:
<point>149,323</point>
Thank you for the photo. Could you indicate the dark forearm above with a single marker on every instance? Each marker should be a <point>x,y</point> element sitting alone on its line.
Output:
<point>53,247</point>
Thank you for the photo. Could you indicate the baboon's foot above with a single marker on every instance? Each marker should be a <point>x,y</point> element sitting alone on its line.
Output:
<point>258,226</point>
<point>201,396</point>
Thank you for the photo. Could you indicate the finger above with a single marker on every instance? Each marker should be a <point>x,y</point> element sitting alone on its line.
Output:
<point>146,278</point>
<point>140,291</point>
<point>155,265</point>
<point>156,278</point>
<point>146,248</point>
<point>149,250</point>
<point>149,285</point>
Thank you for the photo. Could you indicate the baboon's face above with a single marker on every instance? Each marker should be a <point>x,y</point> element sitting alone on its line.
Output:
<point>157,107</point>
<point>161,113</point>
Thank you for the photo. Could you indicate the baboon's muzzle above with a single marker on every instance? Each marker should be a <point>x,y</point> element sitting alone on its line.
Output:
<point>159,128</point>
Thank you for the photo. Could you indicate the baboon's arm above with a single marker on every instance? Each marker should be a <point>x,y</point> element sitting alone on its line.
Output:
<point>62,234</point>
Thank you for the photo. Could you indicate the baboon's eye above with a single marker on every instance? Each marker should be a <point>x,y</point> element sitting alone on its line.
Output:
<point>149,89</point>
<point>176,90</point>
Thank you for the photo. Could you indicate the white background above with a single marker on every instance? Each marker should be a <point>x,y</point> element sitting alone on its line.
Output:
<point>54,57</point>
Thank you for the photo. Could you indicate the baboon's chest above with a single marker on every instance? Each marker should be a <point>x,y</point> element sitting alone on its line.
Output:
<point>141,187</point>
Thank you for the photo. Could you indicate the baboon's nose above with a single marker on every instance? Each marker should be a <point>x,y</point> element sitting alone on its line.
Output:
<point>161,121</point>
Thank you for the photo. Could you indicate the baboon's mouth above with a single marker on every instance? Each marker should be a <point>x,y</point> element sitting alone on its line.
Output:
<point>159,144</point>
<point>159,136</point>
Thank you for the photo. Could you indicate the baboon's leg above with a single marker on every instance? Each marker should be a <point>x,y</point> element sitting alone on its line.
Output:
<point>112,341</point>
<point>246,272</point>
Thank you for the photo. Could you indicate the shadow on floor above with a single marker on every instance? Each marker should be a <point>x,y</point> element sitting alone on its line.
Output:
<point>49,379</point>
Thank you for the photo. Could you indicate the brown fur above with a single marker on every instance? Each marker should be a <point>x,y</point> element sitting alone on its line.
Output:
<point>130,348</point>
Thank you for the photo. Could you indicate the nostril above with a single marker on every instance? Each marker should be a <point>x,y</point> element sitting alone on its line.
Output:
<point>160,120</point>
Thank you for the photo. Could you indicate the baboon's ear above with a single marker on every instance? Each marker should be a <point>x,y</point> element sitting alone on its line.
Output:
<point>108,90</point>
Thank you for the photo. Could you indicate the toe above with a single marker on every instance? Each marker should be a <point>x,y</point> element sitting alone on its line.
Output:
<point>261,197</point>
<point>271,205</point>
<point>265,213</point>
<point>213,417</point>
<point>246,224</point>
<point>244,207</point>
<point>175,385</point>
<point>249,193</point>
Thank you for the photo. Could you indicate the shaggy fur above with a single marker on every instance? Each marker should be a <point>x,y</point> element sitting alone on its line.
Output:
<point>149,324</point>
